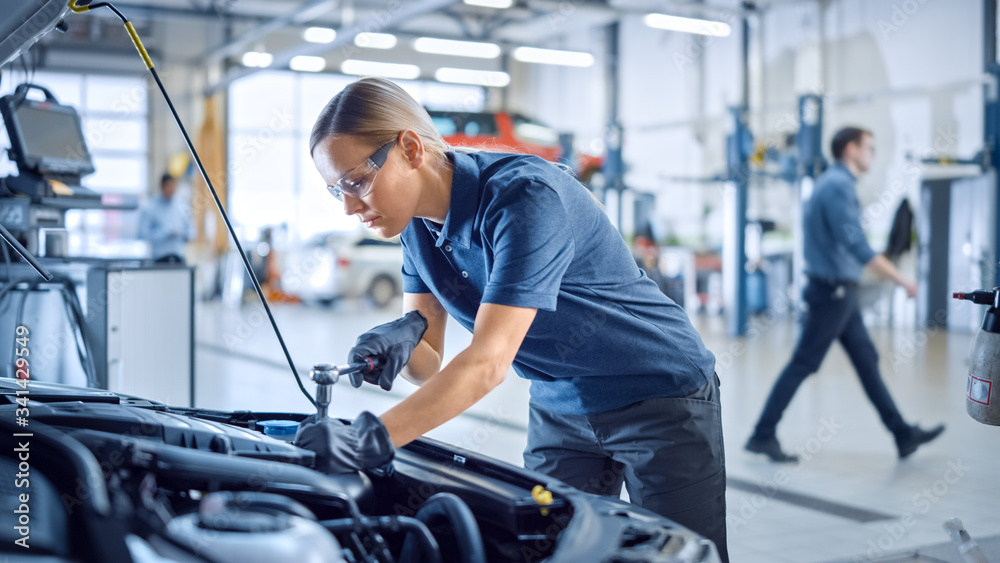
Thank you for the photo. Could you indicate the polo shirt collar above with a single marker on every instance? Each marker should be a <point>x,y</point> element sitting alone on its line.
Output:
<point>461,216</point>
<point>846,170</point>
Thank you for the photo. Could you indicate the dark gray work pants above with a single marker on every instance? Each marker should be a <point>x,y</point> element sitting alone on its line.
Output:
<point>668,452</point>
<point>834,315</point>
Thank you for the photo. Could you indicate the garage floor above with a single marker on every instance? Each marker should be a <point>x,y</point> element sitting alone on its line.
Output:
<point>849,499</point>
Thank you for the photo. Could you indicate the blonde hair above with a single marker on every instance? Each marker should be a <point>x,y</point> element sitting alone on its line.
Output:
<point>375,110</point>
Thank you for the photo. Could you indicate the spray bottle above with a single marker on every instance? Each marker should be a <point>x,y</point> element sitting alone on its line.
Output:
<point>983,387</point>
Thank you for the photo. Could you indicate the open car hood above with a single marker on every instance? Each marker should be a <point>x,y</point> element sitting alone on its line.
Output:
<point>120,478</point>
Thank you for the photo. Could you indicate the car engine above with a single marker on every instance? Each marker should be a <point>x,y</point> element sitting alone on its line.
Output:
<point>118,478</point>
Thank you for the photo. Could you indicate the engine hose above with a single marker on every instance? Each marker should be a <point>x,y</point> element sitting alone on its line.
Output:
<point>446,508</point>
<point>429,552</point>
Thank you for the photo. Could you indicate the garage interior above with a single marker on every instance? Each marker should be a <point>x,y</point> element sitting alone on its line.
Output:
<point>701,126</point>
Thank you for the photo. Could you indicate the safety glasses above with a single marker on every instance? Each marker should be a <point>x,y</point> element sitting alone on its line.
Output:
<point>355,182</point>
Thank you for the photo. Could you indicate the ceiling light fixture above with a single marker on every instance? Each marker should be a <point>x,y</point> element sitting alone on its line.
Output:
<point>553,57</point>
<point>319,35</point>
<point>457,48</point>
<point>306,63</point>
<point>488,78</point>
<point>257,59</point>
<point>375,40</point>
<point>498,4</point>
<point>688,25</point>
<point>385,70</point>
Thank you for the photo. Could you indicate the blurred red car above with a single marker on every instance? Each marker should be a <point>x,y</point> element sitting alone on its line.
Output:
<point>506,132</point>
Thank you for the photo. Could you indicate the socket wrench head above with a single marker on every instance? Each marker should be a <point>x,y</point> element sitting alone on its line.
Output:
<point>324,374</point>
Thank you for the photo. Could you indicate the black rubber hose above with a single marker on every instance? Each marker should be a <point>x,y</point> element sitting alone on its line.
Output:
<point>17,322</point>
<point>446,508</point>
<point>81,322</point>
<point>429,552</point>
<point>74,470</point>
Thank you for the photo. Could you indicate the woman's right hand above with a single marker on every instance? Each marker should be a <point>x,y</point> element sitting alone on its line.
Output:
<point>391,346</point>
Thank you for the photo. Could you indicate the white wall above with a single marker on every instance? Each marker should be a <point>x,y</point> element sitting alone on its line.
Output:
<point>570,99</point>
<point>909,70</point>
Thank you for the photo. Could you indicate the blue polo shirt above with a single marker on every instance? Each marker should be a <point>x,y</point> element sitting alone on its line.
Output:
<point>834,244</point>
<point>522,232</point>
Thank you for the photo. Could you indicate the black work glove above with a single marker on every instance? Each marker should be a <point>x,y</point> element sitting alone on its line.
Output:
<point>343,449</point>
<point>390,346</point>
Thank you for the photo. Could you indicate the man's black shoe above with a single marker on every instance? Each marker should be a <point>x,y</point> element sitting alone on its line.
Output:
<point>917,438</point>
<point>769,447</point>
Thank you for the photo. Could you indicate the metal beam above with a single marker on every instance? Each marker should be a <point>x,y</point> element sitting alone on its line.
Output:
<point>991,114</point>
<point>737,307</point>
<point>159,13</point>
<point>381,21</point>
<point>300,14</point>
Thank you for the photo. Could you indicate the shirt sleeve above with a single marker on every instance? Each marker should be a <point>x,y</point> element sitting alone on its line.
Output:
<point>532,244</point>
<point>843,214</point>
<point>150,225</point>
<point>411,279</point>
<point>144,226</point>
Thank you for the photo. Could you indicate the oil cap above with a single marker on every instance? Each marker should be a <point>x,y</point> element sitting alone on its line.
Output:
<point>280,429</point>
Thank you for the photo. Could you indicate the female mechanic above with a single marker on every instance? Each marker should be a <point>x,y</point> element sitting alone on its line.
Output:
<point>623,391</point>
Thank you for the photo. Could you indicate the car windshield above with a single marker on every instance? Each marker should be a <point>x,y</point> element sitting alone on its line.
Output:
<point>534,132</point>
<point>331,240</point>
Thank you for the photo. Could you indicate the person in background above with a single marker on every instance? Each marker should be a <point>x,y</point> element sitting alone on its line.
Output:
<point>647,257</point>
<point>166,224</point>
<point>836,251</point>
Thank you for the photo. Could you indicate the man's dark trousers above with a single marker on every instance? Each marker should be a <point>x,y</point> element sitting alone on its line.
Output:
<point>834,314</point>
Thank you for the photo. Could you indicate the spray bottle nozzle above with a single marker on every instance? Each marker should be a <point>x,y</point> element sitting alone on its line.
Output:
<point>978,296</point>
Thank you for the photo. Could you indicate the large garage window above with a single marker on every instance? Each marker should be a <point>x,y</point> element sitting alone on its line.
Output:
<point>272,178</point>
<point>114,113</point>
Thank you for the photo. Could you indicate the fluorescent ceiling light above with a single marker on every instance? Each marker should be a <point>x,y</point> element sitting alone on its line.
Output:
<point>257,59</point>
<point>319,35</point>
<point>457,48</point>
<point>490,78</point>
<point>500,4</point>
<point>307,64</point>
<point>385,70</point>
<point>688,25</point>
<point>375,40</point>
<point>553,57</point>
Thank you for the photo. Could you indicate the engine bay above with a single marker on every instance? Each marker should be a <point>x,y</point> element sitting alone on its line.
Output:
<point>118,478</point>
